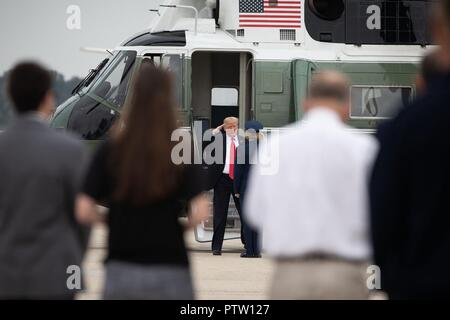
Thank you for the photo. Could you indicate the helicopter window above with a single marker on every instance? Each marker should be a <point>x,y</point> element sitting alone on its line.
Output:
<point>113,86</point>
<point>155,58</point>
<point>377,102</point>
<point>224,97</point>
<point>90,119</point>
<point>326,9</point>
<point>224,103</point>
<point>94,114</point>
<point>174,63</point>
<point>360,22</point>
<point>165,38</point>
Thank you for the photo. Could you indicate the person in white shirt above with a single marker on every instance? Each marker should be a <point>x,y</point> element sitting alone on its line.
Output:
<point>313,212</point>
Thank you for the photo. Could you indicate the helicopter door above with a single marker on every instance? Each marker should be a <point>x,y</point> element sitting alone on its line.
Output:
<point>224,103</point>
<point>213,70</point>
<point>221,86</point>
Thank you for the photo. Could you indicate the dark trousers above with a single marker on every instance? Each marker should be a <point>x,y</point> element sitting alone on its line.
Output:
<point>222,191</point>
<point>250,235</point>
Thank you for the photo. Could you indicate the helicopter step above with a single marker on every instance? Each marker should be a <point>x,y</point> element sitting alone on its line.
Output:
<point>204,231</point>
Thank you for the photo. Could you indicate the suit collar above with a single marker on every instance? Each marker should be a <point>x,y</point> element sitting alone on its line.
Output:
<point>30,119</point>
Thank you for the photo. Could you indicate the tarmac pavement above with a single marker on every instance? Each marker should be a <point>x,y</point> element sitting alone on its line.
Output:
<point>226,277</point>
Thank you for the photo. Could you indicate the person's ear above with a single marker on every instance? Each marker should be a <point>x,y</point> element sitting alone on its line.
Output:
<point>420,84</point>
<point>440,30</point>
<point>345,111</point>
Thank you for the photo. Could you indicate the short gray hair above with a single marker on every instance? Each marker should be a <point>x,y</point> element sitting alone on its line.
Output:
<point>329,85</point>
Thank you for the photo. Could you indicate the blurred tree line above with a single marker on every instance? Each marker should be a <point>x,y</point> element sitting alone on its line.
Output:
<point>62,88</point>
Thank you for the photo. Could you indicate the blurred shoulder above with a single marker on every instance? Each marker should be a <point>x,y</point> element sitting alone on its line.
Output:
<point>356,139</point>
<point>368,143</point>
<point>288,133</point>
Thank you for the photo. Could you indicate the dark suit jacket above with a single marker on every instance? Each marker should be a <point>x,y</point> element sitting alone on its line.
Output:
<point>410,198</point>
<point>245,154</point>
<point>215,170</point>
<point>39,239</point>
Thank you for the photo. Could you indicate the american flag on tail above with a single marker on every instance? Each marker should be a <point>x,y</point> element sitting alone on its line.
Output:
<point>284,14</point>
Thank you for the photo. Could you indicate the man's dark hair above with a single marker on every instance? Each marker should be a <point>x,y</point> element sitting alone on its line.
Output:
<point>446,7</point>
<point>329,85</point>
<point>27,85</point>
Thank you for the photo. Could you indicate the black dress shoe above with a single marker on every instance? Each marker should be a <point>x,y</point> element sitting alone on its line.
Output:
<point>246,255</point>
<point>217,253</point>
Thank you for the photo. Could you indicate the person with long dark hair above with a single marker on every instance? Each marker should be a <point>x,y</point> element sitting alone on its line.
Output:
<point>133,174</point>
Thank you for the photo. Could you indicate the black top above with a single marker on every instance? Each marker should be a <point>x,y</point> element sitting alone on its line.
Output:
<point>410,192</point>
<point>149,234</point>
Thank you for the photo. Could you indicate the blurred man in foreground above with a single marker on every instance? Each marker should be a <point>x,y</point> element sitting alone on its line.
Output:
<point>313,212</point>
<point>39,170</point>
<point>410,188</point>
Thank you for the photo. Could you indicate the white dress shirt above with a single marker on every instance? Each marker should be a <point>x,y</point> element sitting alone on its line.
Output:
<point>317,201</point>
<point>226,168</point>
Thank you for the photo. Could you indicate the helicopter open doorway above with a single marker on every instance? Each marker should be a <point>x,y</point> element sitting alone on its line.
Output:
<point>221,86</point>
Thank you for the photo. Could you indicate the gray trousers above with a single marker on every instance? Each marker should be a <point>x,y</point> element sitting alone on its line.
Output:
<point>128,281</point>
<point>319,280</point>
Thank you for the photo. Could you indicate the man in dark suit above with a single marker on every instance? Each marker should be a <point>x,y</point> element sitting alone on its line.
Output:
<point>410,188</point>
<point>246,154</point>
<point>221,178</point>
<point>40,243</point>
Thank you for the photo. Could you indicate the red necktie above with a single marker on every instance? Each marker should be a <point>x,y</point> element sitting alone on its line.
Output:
<point>232,157</point>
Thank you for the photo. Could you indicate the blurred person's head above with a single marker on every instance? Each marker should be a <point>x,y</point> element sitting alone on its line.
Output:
<point>440,26</point>
<point>143,146</point>
<point>331,90</point>
<point>431,68</point>
<point>29,87</point>
<point>253,130</point>
<point>230,125</point>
